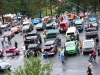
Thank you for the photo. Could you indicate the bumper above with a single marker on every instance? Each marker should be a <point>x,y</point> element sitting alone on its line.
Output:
<point>8,67</point>
<point>49,54</point>
<point>39,28</point>
<point>87,50</point>
<point>70,52</point>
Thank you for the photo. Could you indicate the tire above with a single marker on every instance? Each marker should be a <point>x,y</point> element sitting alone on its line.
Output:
<point>14,53</point>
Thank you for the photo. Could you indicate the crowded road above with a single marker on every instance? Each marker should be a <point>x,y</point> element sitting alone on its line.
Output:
<point>74,64</point>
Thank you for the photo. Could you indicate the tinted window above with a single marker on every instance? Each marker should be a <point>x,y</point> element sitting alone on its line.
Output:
<point>91,29</point>
<point>70,33</point>
<point>53,35</point>
<point>62,25</point>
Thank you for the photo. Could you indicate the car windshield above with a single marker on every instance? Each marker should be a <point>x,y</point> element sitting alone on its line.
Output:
<point>88,43</point>
<point>70,33</point>
<point>62,25</point>
<point>70,44</point>
<point>91,29</point>
<point>52,35</point>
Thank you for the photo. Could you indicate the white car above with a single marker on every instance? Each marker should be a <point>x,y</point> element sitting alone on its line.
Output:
<point>5,25</point>
<point>4,65</point>
<point>88,45</point>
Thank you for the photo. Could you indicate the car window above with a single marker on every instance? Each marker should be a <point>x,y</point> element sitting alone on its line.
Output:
<point>88,43</point>
<point>70,44</point>
<point>52,35</point>
<point>62,25</point>
<point>91,29</point>
<point>72,33</point>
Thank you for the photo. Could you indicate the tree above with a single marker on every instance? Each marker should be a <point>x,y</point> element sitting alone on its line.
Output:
<point>33,66</point>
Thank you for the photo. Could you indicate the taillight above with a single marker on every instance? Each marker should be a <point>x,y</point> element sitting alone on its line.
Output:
<point>96,35</point>
<point>86,36</point>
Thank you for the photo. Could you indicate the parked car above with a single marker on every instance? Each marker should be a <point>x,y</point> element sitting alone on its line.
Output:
<point>13,50</point>
<point>91,32</point>
<point>63,26</point>
<point>1,52</point>
<point>79,24</point>
<point>36,21</point>
<point>50,47</point>
<point>94,24</point>
<point>15,23</point>
<point>9,33</point>
<point>4,65</point>
<point>34,34</point>
<point>51,35</point>
<point>27,27</point>
<point>72,34</point>
<point>40,26</point>
<point>49,25</point>
<point>47,19</point>
<point>16,29</point>
<point>71,47</point>
<point>5,26</point>
<point>88,45</point>
<point>32,49</point>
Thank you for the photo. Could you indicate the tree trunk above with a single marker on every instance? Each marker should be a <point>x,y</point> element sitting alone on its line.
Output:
<point>78,8</point>
<point>2,18</point>
<point>51,7</point>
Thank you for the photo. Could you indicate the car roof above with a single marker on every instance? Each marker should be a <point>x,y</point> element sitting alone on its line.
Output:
<point>63,22</point>
<point>53,31</point>
<point>30,37</point>
<point>49,42</point>
<point>32,45</point>
<point>71,29</point>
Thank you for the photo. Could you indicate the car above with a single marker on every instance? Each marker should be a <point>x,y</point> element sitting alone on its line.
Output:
<point>14,23</point>
<point>50,47</point>
<point>4,65</point>
<point>88,45</point>
<point>47,19</point>
<point>51,35</point>
<point>5,26</point>
<point>94,24</point>
<point>91,32</point>
<point>63,26</point>
<point>79,24</point>
<point>33,48</point>
<point>49,25</point>
<point>9,33</point>
<point>16,29</point>
<point>92,18</point>
<point>72,34</point>
<point>36,21</point>
<point>71,47</point>
<point>1,52</point>
<point>27,27</point>
<point>34,35</point>
<point>71,23</point>
<point>40,26</point>
<point>13,50</point>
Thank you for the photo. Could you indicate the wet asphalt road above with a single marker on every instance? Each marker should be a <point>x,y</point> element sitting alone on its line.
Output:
<point>74,65</point>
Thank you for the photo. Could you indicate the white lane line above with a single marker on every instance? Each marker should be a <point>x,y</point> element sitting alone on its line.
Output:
<point>14,58</point>
<point>18,59</point>
<point>8,59</point>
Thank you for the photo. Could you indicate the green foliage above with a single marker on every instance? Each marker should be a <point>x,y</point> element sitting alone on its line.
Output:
<point>33,66</point>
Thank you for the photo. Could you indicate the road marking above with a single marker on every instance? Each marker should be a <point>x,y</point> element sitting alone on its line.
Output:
<point>8,59</point>
<point>18,59</point>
